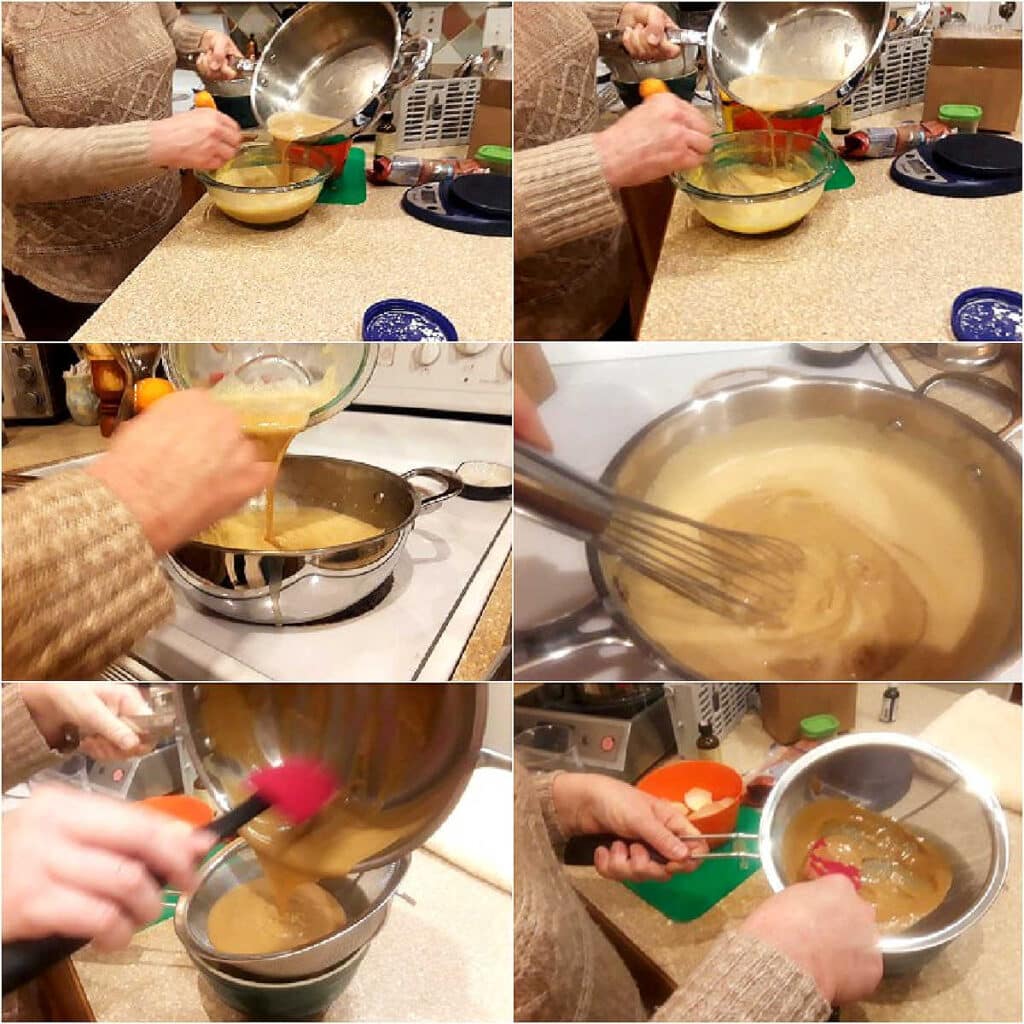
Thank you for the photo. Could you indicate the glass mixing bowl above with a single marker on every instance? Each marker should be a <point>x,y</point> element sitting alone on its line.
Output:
<point>202,364</point>
<point>255,188</point>
<point>757,181</point>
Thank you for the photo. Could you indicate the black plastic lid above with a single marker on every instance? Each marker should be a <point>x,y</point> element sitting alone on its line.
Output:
<point>981,155</point>
<point>488,194</point>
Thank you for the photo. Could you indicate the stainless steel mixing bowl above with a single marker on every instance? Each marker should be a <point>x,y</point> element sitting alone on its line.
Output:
<point>343,61</point>
<point>365,897</point>
<point>438,773</point>
<point>269,587</point>
<point>934,795</point>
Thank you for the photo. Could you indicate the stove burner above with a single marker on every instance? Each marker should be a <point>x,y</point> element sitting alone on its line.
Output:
<point>367,604</point>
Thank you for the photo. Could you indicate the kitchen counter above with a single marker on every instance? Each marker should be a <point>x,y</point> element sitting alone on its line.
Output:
<point>977,978</point>
<point>211,279</point>
<point>445,953</point>
<point>875,262</point>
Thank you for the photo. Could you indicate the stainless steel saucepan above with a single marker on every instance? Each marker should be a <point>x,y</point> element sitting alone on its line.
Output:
<point>343,61</point>
<point>839,42</point>
<point>989,467</point>
<point>269,587</point>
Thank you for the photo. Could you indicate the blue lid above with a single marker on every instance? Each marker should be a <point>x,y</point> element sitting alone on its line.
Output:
<point>987,314</point>
<point>405,320</point>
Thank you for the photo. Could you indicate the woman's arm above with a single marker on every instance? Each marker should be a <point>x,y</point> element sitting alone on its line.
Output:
<point>743,978</point>
<point>561,195</point>
<point>81,581</point>
<point>604,17</point>
<point>43,165</point>
<point>186,35</point>
<point>25,750</point>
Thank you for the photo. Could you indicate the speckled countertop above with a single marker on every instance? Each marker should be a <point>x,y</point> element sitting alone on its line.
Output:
<point>976,978</point>
<point>875,262</point>
<point>211,279</point>
<point>448,957</point>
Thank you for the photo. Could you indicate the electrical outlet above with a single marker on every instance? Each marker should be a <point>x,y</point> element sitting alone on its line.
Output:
<point>426,20</point>
<point>498,27</point>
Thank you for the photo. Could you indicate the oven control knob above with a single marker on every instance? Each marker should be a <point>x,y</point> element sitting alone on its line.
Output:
<point>506,359</point>
<point>26,373</point>
<point>429,353</point>
<point>18,351</point>
<point>470,348</point>
<point>34,400</point>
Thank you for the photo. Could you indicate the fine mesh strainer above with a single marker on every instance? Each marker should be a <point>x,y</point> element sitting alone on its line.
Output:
<point>931,794</point>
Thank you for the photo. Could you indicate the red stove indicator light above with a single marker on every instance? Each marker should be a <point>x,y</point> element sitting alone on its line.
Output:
<point>607,744</point>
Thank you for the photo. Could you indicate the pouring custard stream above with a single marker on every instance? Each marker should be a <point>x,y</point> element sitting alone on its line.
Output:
<point>247,724</point>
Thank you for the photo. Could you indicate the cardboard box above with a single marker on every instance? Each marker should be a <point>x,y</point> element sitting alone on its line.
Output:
<point>783,705</point>
<point>492,125</point>
<point>980,66</point>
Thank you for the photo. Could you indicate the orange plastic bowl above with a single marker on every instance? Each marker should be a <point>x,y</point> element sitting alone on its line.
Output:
<point>674,781</point>
<point>184,808</point>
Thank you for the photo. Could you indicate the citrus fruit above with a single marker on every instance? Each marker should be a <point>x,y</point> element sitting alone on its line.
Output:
<point>150,390</point>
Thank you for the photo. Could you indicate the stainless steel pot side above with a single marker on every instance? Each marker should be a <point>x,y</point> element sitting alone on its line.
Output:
<point>988,461</point>
<point>365,897</point>
<point>441,772</point>
<point>948,803</point>
<point>316,583</point>
<point>344,61</point>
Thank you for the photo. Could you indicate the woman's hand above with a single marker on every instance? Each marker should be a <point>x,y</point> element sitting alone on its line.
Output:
<point>94,709</point>
<point>213,64</point>
<point>829,931</point>
<point>526,422</point>
<point>201,139</point>
<point>85,866</point>
<point>586,804</point>
<point>643,32</point>
<point>182,465</point>
<point>662,135</point>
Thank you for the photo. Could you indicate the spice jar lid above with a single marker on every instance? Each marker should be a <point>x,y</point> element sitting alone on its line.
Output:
<point>960,112</point>
<point>819,727</point>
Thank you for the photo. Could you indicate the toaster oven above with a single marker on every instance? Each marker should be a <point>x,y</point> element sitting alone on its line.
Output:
<point>33,380</point>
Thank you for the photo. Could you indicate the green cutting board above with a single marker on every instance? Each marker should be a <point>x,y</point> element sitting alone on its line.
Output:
<point>687,897</point>
<point>842,176</point>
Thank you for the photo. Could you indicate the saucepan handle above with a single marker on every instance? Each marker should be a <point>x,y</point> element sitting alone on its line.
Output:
<point>743,375</point>
<point>451,483</point>
<point>611,42</point>
<point>26,959</point>
<point>414,56</point>
<point>982,385</point>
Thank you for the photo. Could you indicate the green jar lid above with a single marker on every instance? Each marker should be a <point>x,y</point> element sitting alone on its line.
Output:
<point>331,140</point>
<point>960,112</point>
<point>501,155</point>
<point>819,727</point>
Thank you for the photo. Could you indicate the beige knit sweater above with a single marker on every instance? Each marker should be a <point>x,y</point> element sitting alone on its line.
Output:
<point>81,583</point>
<point>566,970</point>
<point>82,204</point>
<point>573,250</point>
<point>25,750</point>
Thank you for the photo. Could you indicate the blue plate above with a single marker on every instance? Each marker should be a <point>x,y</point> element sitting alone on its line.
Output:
<point>987,314</point>
<point>405,320</point>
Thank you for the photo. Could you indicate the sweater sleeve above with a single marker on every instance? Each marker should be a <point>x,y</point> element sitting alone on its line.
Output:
<point>745,979</point>
<point>25,751</point>
<point>45,165</point>
<point>543,781</point>
<point>81,582</point>
<point>604,17</point>
<point>561,195</point>
<point>185,34</point>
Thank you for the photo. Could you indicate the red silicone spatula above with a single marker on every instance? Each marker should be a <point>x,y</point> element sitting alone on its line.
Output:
<point>297,789</point>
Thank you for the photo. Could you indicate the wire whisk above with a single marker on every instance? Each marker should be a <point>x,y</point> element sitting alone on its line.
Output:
<point>742,576</point>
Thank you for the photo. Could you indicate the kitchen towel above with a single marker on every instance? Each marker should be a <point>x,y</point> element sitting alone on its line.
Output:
<point>983,731</point>
<point>477,835</point>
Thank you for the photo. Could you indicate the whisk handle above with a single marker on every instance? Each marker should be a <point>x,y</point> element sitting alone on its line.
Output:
<point>559,496</point>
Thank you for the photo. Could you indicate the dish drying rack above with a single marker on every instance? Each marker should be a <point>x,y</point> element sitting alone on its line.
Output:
<point>436,112</point>
<point>900,77</point>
